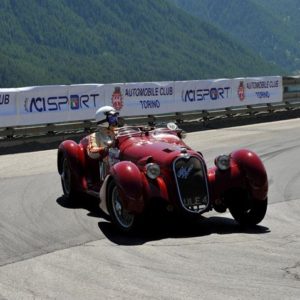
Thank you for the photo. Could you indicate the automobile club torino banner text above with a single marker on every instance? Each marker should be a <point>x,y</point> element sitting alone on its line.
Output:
<point>8,107</point>
<point>135,99</point>
<point>61,103</point>
<point>222,93</point>
<point>251,91</point>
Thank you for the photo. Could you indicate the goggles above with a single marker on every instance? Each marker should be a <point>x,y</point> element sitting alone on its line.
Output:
<point>112,119</point>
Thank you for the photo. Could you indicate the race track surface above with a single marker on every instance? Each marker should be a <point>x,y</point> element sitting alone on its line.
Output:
<point>50,249</point>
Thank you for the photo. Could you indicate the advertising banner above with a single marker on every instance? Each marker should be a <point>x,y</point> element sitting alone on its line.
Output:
<point>54,104</point>
<point>203,94</point>
<point>8,107</point>
<point>134,99</point>
<point>222,93</point>
<point>7,103</point>
<point>258,90</point>
<point>85,100</point>
<point>63,103</point>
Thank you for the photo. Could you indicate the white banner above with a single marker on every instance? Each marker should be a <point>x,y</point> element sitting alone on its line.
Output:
<point>7,102</point>
<point>203,94</point>
<point>8,107</point>
<point>54,104</point>
<point>260,90</point>
<point>221,93</point>
<point>135,99</point>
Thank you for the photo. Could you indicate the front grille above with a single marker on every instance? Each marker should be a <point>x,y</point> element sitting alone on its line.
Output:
<point>191,181</point>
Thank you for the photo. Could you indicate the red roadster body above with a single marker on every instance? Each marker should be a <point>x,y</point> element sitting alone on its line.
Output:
<point>150,164</point>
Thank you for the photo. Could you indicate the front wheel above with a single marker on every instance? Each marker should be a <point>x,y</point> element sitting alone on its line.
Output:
<point>246,210</point>
<point>121,218</point>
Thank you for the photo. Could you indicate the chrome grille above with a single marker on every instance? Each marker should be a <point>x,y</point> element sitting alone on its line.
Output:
<point>191,181</point>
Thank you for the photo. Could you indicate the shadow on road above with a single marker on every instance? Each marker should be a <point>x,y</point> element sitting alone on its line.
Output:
<point>177,228</point>
<point>158,227</point>
<point>91,204</point>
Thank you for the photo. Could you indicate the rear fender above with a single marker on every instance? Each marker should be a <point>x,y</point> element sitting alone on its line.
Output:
<point>75,155</point>
<point>129,180</point>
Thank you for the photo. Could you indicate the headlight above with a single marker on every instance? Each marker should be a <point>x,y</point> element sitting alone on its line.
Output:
<point>152,170</point>
<point>222,162</point>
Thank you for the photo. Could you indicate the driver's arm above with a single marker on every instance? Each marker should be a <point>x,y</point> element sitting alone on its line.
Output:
<point>94,148</point>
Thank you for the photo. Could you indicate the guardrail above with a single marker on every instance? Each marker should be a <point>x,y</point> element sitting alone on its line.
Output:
<point>291,101</point>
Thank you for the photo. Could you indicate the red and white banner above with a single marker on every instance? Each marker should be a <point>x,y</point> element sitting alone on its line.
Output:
<point>222,93</point>
<point>136,99</point>
<point>259,90</point>
<point>62,103</point>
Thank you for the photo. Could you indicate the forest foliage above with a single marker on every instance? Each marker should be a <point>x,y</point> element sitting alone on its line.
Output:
<point>106,41</point>
<point>270,28</point>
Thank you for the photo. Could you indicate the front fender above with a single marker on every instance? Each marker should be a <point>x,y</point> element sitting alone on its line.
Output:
<point>254,171</point>
<point>129,179</point>
<point>222,181</point>
<point>246,172</point>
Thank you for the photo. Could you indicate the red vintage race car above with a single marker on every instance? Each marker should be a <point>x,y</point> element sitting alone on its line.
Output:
<point>149,164</point>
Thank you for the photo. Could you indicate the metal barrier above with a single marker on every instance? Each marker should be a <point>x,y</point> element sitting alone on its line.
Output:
<point>291,101</point>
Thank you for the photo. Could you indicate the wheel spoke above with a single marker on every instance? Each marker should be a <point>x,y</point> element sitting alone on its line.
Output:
<point>124,218</point>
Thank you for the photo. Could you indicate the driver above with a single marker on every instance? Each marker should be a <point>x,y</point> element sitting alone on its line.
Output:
<point>100,141</point>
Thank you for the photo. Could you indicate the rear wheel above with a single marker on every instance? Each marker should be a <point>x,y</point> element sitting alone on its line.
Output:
<point>245,209</point>
<point>67,180</point>
<point>121,218</point>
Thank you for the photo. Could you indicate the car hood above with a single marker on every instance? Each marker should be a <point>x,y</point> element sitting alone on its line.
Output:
<point>162,152</point>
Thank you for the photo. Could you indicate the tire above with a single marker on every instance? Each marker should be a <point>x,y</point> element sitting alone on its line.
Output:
<point>67,180</point>
<point>123,220</point>
<point>246,210</point>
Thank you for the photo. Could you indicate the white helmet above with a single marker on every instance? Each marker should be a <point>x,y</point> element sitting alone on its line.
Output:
<point>103,112</point>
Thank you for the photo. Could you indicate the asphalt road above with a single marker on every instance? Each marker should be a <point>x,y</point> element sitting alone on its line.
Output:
<point>51,250</point>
